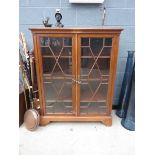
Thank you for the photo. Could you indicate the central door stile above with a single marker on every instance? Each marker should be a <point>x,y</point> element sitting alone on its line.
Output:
<point>78,73</point>
<point>74,70</point>
<point>75,74</point>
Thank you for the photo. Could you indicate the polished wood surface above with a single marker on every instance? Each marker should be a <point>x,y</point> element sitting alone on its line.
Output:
<point>107,120</point>
<point>76,33</point>
<point>77,30</point>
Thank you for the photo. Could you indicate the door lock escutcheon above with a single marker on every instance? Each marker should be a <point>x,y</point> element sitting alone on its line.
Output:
<point>76,81</point>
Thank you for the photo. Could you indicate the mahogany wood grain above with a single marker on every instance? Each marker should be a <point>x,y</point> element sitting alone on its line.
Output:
<point>107,120</point>
<point>76,33</point>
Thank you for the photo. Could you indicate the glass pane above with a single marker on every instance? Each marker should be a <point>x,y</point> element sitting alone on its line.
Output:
<point>66,51</point>
<point>93,108</point>
<point>104,66</point>
<point>106,51</point>
<point>48,64</point>
<point>94,74</point>
<point>46,51</point>
<point>65,66</point>
<point>84,41</point>
<point>93,97</point>
<point>108,42</point>
<point>95,69</point>
<point>96,45</point>
<point>57,74</point>
<point>56,45</point>
<point>44,41</point>
<point>86,52</point>
<point>67,41</point>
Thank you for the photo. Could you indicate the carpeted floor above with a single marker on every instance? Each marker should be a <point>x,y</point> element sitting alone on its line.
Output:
<point>77,138</point>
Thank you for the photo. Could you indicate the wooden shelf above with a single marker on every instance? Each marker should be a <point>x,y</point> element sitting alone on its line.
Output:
<point>100,57</point>
<point>104,79</point>
<point>88,96</point>
<point>84,75</point>
<point>89,46</point>
<point>94,73</point>
<point>53,94</point>
<point>53,101</point>
<point>46,46</point>
<point>59,75</point>
<point>59,107</point>
<point>48,56</point>
<point>103,57</point>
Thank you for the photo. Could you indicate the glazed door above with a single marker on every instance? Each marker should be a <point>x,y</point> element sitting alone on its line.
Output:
<point>93,74</point>
<point>58,70</point>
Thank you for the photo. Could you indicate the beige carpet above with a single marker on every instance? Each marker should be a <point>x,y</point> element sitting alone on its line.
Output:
<point>77,138</point>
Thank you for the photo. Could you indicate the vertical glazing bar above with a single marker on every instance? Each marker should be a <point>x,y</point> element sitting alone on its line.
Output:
<point>89,42</point>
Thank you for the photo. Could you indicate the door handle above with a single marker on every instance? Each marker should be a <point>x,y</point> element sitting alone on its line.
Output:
<point>76,81</point>
<point>79,82</point>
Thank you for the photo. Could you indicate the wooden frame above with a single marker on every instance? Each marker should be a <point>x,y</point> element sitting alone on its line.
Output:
<point>76,34</point>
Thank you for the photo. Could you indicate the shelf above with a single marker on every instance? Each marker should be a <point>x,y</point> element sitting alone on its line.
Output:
<point>94,73</point>
<point>100,57</point>
<point>59,107</point>
<point>94,91</point>
<point>93,108</point>
<point>50,82</point>
<point>47,46</point>
<point>83,80</point>
<point>86,79</point>
<point>48,102</point>
<point>86,97</point>
<point>53,52</point>
<point>102,52</point>
<point>56,57</point>
<point>89,46</point>
<point>66,74</point>
<point>58,90</point>
<point>57,77</point>
<point>85,108</point>
<point>103,57</point>
<point>61,91</point>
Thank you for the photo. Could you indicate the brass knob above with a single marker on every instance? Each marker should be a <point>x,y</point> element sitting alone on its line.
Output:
<point>73,80</point>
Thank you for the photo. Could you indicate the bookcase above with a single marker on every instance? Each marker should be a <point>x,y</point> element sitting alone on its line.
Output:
<point>76,70</point>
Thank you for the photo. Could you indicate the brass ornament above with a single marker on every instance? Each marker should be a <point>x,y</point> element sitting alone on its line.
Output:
<point>31,119</point>
<point>36,103</point>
